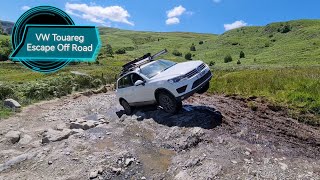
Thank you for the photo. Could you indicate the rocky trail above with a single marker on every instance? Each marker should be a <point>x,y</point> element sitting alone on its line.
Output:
<point>212,137</point>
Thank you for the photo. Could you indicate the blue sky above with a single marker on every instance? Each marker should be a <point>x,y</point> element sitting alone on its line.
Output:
<point>204,16</point>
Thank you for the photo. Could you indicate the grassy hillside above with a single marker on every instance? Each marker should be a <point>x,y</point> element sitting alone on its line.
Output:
<point>282,62</point>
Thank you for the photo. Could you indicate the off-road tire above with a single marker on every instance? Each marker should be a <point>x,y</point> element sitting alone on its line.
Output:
<point>204,88</point>
<point>169,103</point>
<point>126,106</point>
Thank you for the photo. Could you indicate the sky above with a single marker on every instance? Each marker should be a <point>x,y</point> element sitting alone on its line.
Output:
<point>202,16</point>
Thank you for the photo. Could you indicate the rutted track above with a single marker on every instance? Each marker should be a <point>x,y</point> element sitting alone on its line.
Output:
<point>212,137</point>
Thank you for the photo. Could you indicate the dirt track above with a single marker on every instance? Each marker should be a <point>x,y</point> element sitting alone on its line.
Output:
<point>213,137</point>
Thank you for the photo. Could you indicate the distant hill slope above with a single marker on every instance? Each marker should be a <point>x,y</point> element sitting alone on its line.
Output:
<point>7,26</point>
<point>293,43</point>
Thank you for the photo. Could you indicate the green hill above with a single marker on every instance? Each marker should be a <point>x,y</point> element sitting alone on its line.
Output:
<point>281,64</point>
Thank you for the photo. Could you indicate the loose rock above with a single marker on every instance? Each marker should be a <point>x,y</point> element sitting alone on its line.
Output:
<point>11,103</point>
<point>13,136</point>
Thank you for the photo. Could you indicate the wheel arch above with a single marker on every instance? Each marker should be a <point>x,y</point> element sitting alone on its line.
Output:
<point>157,91</point>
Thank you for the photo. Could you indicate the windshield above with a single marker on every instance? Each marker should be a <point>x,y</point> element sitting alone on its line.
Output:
<point>156,67</point>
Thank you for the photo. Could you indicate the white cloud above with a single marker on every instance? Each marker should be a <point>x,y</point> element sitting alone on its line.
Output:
<point>234,25</point>
<point>216,1</point>
<point>176,11</point>
<point>25,8</point>
<point>99,14</point>
<point>173,15</point>
<point>173,20</point>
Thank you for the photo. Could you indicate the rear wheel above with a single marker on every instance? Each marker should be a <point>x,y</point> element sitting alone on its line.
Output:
<point>169,102</point>
<point>126,106</point>
<point>204,88</point>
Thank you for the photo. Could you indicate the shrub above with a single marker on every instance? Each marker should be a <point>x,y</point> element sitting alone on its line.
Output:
<point>242,55</point>
<point>193,47</point>
<point>188,56</point>
<point>176,53</point>
<point>6,92</point>
<point>96,83</point>
<point>228,58</point>
<point>267,44</point>
<point>121,51</point>
<point>212,63</point>
<point>200,42</point>
<point>239,62</point>
<point>109,50</point>
<point>285,28</point>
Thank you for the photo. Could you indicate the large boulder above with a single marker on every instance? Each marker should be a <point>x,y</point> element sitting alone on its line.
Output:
<point>13,136</point>
<point>53,135</point>
<point>12,103</point>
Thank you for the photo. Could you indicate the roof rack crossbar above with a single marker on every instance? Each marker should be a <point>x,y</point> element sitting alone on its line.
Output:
<point>140,61</point>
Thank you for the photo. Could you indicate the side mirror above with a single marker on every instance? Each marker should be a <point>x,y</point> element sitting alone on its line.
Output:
<point>139,82</point>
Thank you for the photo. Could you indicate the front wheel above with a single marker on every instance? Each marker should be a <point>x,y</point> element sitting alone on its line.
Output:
<point>126,106</point>
<point>169,103</point>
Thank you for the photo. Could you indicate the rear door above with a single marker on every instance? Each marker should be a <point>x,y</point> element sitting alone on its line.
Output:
<point>125,88</point>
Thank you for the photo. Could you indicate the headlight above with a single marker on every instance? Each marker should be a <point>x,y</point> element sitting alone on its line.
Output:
<point>177,79</point>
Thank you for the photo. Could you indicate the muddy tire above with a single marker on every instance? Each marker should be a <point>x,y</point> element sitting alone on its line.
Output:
<point>126,106</point>
<point>169,103</point>
<point>204,88</point>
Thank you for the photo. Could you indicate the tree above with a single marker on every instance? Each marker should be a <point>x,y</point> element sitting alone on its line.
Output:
<point>200,42</point>
<point>109,50</point>
<point>176,53</point>
<point>242,55</point>
<point>1,29</point>
<point>188,56</point>
<point>239,62</point>
<point>193,47</point>
<point>228,58</point>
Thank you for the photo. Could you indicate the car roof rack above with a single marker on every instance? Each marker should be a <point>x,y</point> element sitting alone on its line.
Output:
<point>130,66</point>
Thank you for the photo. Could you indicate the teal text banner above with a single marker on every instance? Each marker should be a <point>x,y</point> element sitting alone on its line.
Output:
<point>58,43</point>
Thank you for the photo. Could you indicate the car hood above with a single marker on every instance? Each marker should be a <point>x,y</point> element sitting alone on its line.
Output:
<point>178,69</point>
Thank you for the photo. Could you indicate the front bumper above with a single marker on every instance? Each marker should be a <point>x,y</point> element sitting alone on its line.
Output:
<point>196,86</point>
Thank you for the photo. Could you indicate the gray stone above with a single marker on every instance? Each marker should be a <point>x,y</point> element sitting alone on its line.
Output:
<point>128,161</point>
<point>13,136</point>
<point>116,170</point>
<point>12,103</point>
<point>54,135</point>
<point>93,174</point>
<point>88,125</point>
<point>26,139</point>
<point>76,125</point>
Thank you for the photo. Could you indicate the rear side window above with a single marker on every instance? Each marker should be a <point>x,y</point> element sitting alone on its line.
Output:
<point>125,82</point>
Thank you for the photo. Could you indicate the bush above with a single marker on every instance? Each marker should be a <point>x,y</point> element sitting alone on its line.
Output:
<point>212,63</point>
<point>267,44</point>
<point>193,47</point>
<point>228,58</point>
<point>177,53</point>
<point>239,62</point>
<point>242,55</point>
<point>109,50</point>
<point>200,42</point>
<point>188,56</point>
<point>121,51</point>
<point>96,83</point>
<point>285,28</point>
<point>6,92</point>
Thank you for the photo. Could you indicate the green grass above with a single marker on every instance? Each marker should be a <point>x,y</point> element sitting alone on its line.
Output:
<point>282,67</point>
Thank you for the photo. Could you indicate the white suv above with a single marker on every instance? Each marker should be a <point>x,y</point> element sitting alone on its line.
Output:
<point>166,83</point>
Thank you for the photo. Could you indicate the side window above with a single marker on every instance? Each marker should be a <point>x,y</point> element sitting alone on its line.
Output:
<point>135,77</point>
<point>125,82</point>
